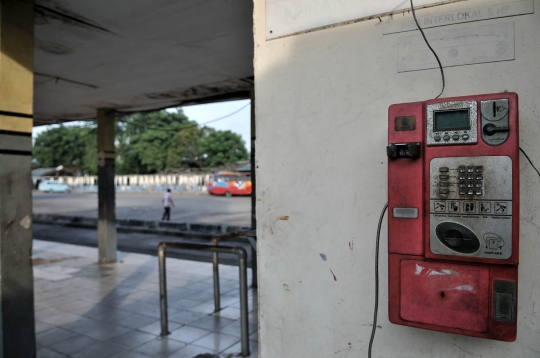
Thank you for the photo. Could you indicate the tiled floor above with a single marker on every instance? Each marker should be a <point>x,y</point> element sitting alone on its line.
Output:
<point>88,310</point>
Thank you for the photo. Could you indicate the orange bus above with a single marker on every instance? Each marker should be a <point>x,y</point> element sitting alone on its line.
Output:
<point>229,184</point>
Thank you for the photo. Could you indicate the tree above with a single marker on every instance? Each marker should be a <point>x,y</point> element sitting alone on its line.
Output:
<point>145,143</point>
<point>145,140</point>
<point>185,151</point>
<point>222,147</point>
<point>72,147</point>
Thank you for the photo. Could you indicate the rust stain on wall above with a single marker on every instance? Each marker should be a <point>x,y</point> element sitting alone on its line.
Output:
<point>335,278</point>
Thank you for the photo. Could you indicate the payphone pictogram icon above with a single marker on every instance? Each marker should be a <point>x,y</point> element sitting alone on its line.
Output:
<point>501,208</point>
<point>453,206</point>
<point>470,207</point>
<point>440,206</point>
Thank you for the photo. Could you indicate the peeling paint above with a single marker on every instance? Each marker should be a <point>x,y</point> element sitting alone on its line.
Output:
<point>351,245</point>
<point>335,278</point>
<point>283,218</point>
<point>423,271</point>
<point>463,288</point>
<point>323,256</point>
<point>286,287</point>
<point>25,222</point>
<point>199,91</point>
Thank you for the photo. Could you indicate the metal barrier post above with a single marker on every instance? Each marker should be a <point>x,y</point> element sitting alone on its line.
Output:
<point>244,322</point>
<point>242,266</point>
<point>163,290</point>
<point>217,293</point>
<point>254,283</point>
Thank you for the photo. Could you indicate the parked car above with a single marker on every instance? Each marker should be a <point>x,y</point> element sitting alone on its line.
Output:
<point>49,186</point>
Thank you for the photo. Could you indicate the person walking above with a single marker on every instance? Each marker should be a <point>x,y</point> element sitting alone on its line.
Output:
<point>167,203</point>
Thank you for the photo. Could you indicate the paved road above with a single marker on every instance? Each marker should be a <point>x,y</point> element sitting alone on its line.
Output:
<point>191,208</point>
<point>143,206</point>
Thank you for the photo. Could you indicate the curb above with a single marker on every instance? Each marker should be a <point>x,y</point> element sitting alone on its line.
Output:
<point>195,230</point>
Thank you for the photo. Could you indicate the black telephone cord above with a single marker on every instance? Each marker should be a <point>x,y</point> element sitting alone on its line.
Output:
<point>529,159</point>
<point>433,51</point>
<point>376,309</point>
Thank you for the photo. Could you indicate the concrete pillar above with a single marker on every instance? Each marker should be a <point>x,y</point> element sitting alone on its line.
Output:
<point>17,332</point>
<point>253,186</point>
<point>106,187</point>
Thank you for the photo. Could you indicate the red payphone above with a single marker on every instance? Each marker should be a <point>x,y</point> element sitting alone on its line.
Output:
<point>453,223</point>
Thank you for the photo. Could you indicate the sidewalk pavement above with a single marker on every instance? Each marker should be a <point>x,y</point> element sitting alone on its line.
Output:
<point>112,310</point>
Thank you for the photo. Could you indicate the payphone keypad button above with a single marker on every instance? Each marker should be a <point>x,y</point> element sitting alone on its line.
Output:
<point>462,192</point>
<point>444,183</point>
<point>479,177</point>
<point>437,138</point>
<point>470,185</point>
<point>446,138</point>
<point>462,169</point>
<point>462,177</point>
<point>444,177</point>
<point>465,137</point>
<point>470,169</point>
<point>478,191</point>
<point>478,169</point>
<point>444,169</point>
<point>470,176</point>
<point>462,184</point>
<point>470,192</point>
<point>443,191</point>
<point>455,137</point>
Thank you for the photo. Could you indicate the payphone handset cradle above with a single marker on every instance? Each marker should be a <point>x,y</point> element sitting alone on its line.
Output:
<point>453,226</point>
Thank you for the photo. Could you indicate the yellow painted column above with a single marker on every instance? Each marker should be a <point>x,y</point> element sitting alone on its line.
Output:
<point>107,241</point>
<point>17,332</point>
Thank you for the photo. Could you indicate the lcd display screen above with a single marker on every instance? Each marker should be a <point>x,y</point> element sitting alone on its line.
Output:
<point>451,120</point>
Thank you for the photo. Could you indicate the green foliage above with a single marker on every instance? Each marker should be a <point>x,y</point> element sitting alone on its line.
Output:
<point>222,147</point>
<point>72,147</point>
<point>185,151</point>
<point>145,140</point>
<point>146,143</point>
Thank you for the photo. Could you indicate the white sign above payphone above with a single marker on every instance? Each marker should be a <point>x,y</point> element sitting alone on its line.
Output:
<point>288,17</point>
<point>465,14</point>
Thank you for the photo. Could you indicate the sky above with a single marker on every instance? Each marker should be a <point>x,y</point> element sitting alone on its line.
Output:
<point>239,123</point>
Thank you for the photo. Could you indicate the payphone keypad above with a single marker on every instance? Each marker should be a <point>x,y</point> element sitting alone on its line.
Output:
<point>470,181</point>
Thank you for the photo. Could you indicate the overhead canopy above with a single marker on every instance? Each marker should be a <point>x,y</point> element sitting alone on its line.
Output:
<point>134,55</point>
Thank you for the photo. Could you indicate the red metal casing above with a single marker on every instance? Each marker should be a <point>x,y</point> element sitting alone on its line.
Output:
<point>446,293</point>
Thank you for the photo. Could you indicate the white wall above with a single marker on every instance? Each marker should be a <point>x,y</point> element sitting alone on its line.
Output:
<point>321,109</point>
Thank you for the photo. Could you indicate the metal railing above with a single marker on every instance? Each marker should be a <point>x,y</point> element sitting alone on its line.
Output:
<point>251,236</point>
<point>242,267</point>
